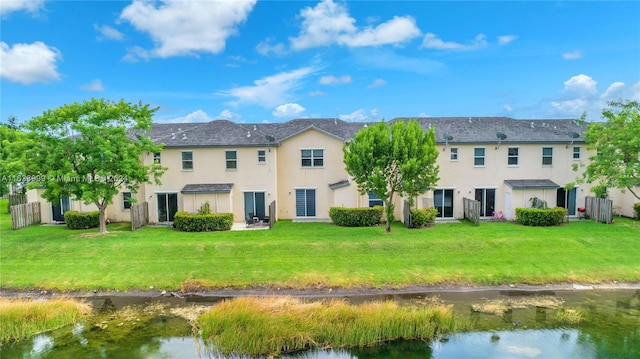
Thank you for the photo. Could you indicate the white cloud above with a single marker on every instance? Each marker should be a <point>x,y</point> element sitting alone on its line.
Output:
<point>386,59</point>
<point>186,27</point>
<point>288,110</point>
<point>330,23</point>
<point>581,85</point>
<point>377,83</point>
<point>29,63</point>
<point>505,39</point>
<point>266,47</point>
<point>508,108</point>
<point>432,41</point>
<point>635,91</point>
<point>94,85</point>
<point>107,32</point>
<point>269,91</point>
<point>333,80</point>
<point>317,93</point>
<point>360,115</point>
<point>614,91</point>
<point>577,54</point>
<point>9,6</point>
<point>196,116</point>
<point>231,116</point>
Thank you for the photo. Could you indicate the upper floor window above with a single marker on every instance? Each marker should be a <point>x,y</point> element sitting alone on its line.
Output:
<point>187,160</point>
<point>262,156</point>
<point>312,158</point>
<point>547,155</point>
<point>156,157</point>
<point>512,156</point>
<point>576,153</point>
<point>454,153</point>
<point>126,200</point>
<point>232,159</point>
<point>478,156</point>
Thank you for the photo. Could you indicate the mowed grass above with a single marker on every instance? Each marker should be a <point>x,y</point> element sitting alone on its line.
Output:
<point>317,255</point>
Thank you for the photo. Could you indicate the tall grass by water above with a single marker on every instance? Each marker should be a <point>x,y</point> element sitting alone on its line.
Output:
<point>22,319</point>
<point>275,325</point>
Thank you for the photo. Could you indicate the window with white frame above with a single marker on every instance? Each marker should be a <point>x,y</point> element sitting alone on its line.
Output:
<point>231,158</point>
<point>374,200</point>
<point>512,156</point>
<point>454,153</point>
<point>547,156</point>
<point>187,160</point>
<point>262,156</point>
<point>576,153</point>
<point>126,200</point>
<point>312,158</point>
<point>478,156</point>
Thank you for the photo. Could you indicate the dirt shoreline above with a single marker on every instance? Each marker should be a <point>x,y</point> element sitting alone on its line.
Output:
<point>315,291</point>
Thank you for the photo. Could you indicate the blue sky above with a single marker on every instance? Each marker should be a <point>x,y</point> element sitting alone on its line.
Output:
<point>271,61</point>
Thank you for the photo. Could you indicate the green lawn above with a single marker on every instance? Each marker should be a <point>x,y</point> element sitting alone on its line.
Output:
<point>317,255</point>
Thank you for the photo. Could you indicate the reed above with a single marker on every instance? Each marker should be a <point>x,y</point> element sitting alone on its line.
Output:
<point>22,319</point>
<point>275,325</point>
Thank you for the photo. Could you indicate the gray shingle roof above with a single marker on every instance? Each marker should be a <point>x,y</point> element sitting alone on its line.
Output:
<point>485,129</point>
<point>531,183</point>
<point>479,130</point>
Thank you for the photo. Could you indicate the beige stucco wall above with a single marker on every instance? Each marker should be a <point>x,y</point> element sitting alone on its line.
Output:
<point>291,175</point>
<point>209,167</point>
<point>46,213</point>
<point>464,178</point>
<point>623,201</point>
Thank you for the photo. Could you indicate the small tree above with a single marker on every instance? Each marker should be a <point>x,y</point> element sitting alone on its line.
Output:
<point>616,163</point>
<point>90,150</point>
<point>14,144</point>
<point>393,159</point>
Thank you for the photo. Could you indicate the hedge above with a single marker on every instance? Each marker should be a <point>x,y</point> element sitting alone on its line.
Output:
<point>84,220</point>
<point>356,217</point>
<point>188,222</point>
<point>636,208</point>
<point>423,217</point>
<point>541,217</point>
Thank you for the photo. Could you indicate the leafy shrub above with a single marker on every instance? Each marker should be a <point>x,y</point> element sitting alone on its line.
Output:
<point>540,217</point>
<point>78,220</point>
<point>538,203</point>
<point>356,217</point>
<point>636,208</point>
<point>188,222</point>
<point>423,217</point>
<point>205,208</point>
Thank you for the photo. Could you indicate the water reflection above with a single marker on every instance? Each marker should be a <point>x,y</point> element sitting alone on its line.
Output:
<point>610,329</point>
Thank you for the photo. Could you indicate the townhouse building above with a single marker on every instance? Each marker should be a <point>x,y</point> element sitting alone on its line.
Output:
<point>241,168</point>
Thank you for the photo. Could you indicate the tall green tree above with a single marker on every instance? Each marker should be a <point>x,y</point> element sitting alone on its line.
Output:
<point>90,151</point>
<point>393,159</point>
<point>14,144</point>
<point>616,162</point>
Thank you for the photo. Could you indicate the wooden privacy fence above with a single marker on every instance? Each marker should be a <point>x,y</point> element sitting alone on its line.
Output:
<point>407,215</point>
<point>599,209</point>
<point>471,210</point>
<point>139,215</point>
<point>15,199</point>
<point>25,214</point>
<point>272,214</point>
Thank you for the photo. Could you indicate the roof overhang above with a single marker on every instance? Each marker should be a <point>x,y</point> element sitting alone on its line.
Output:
<point>531,184</point>
<point>207,188</point>
<point>340,184</point>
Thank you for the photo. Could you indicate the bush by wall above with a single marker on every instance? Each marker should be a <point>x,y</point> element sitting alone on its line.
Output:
<point>636,208</point>
<point>188,222</point>
<point>82,220</point>
<point>356,217</point>
<point>541,217</point>
<point>423,217</point>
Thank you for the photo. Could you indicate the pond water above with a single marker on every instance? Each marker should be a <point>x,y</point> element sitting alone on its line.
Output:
<point>507,324</point>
